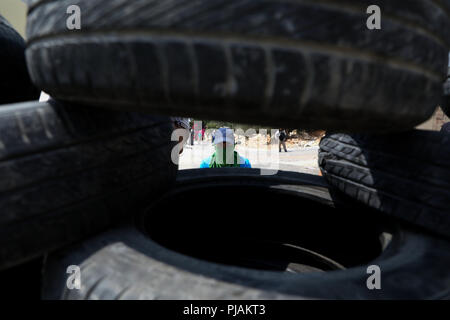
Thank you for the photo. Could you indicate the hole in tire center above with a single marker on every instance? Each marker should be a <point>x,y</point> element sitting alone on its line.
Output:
<point>264,228</point>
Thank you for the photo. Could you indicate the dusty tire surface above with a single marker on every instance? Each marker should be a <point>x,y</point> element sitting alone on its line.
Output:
<point>404,175</point>
<point>125,263</point>
<point>15,83</point>
<point>69,172</point>
<point>273,62</point>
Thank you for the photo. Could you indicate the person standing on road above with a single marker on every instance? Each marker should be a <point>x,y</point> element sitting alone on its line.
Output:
<point>191,132</point>
<point>282,137</point>
<point>191,138</point>
<point>203,130</point>
<point>225,155</point>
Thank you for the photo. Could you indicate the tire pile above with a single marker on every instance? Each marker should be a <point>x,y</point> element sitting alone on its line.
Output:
<point>70,171</point>
<point>100,149</point>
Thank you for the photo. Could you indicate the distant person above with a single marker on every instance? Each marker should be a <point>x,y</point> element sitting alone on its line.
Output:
<point>282,137</point>
<point>191,138</point>
<point>197,131</point>
<point>203,130</point>
<point>224,142</point>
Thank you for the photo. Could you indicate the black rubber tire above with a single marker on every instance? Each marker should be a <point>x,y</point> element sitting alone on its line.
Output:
<point>15,83</point>
<point>126,264</point>
<point>69,172</point>
<point>272,62</point>
<point>404,175</point>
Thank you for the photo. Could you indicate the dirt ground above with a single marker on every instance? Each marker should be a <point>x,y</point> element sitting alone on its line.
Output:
<point>297,159</point>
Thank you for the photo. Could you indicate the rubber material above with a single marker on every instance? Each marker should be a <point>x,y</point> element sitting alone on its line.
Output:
<point>404,175</point>
<point>273,62</point>
<point>125,264</point>
<point>15,83</point>
<point>69,172</point>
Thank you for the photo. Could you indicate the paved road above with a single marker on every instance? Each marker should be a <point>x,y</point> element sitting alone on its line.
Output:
<point>298,160</point>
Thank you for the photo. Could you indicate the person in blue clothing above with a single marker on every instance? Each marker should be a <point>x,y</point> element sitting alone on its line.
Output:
<point>225,155</point>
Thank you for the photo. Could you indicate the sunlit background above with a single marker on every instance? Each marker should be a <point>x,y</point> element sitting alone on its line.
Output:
<point>15,11</point>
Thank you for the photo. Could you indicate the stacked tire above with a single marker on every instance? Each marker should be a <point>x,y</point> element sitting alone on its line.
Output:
<point>69,171</point>
<point>271,62</point>
<point>15,83</point>
<point>100,151</point>
<point>405,175</point>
